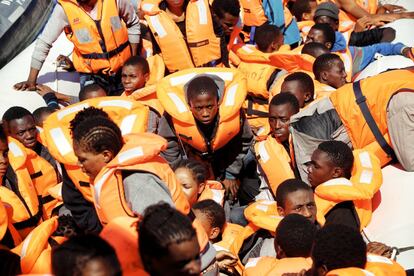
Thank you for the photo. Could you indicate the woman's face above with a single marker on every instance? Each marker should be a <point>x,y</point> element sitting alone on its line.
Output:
<point>189,184</point>
<point>91,163</point>
<point>4,159</point>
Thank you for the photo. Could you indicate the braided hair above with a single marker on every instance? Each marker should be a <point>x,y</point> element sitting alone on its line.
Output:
<point>160,227</point>
<point>96,134</point>
<point>197,169</point>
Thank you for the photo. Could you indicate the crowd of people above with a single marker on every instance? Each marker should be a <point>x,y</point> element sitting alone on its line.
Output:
<point>223,137</point>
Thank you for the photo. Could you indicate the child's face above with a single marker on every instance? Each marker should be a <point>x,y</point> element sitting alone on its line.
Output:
<point>90,163</point>
<point>4,159</point>
<point>183,258</point>
<point>204,108</point>
<point>320,168</point>
<point>24,130</point>
<point>279,119</point>
<point>336,75</point>
<point>189,184</point>
<point>132,78</point>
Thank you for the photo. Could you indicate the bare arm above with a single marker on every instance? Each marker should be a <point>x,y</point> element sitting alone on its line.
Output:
<point>351,7</point>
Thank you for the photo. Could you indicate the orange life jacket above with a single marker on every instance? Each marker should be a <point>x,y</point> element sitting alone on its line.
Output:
<point>322,89</point>
<point>200,39</point>
<point>43,175</point>
<point>170,92</point>
<point>35,251</point>
<point>254,15</point>
<point>6,214</point>
<point>263,214</point>
<point>157,69</point>
<point>213,190</point>
<point>27,210</point>
<point>290,60</point>
<point>272,266</point>
<point>141,153</point>
<point>343,99</point>
<point>129,115</point>
<point>370,6</point>
<point>101,45</point>
<point>147,96</point>
<point>346,26</point>
<point>274,161</point>
<point>365,182</point>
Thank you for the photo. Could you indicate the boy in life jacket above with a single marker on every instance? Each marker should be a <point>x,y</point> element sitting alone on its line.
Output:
<point>272,154</point>
<point>168,243</point>
<point>135,75</point>
<point>293,244</point>
<point>341,250</point>
<point>85,255</point>
<point>205,96</point>
<point>193,176</point>
<point>330,74</point>
<point>356,58</point>
<point>44,170</point>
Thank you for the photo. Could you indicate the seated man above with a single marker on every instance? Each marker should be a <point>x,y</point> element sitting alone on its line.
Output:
<point>343,196</point>
<point>204,120</point>
<point>44,170</point>
<point>329,71</point>
<point>355,58</point>
<point>293,244</point>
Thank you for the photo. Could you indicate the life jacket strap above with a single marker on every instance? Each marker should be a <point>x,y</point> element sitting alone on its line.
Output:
<point>106,55</point>
<point>30,222</point>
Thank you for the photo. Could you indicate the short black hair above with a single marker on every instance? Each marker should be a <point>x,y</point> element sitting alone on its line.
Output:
<point>90,88</point>
<point>315,49</point>
<point>289,186</point>
<point>161,226</point>
<point>14,113</point>
<point>140,62</point>
<point>201,85</point>
<point>328,32</point>
<point>197,168</point>
<point>213,211</point>
<point>71,257</point>
<point>299,7</point>
<point>38,113</point>
<point>3,136</point>
<point>340,155</point>
<point>295,235</point>
<point>339,246</point>
<point>323,63</point>
<point>285,98</point>
<point>220,7</point>
<point>304,80</point>
<point>97,134</point>
<point>265,35</point>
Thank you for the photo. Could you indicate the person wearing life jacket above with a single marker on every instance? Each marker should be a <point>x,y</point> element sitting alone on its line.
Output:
<point>329,71</point>
<point>137,86</point>
<point>76,191</point>
<point>17,191</point>
<point>193,176</point>
<point>356,58</point>
<point>272,154</point>
<point>203,120</point>
<point>99,49</point>
<point>85,254</point>
<point>40,114</point>
<point>43,168</point>
<point>186,33</point>
<point>293,244</point>
<point>343,192</point>
<point>341,250</point>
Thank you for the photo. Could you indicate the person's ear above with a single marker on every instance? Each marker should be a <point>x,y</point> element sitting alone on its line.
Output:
<point>280,254</point>
<point>328,45</point>
<point>107,155</point>
<point>324,76</point>
<point>308,97</point>
<point>201,188</point>
<point>281,211</point>
<point>306,16</point>
<point>337,172</point>
<point>214,233</point>
<point>146,76</point>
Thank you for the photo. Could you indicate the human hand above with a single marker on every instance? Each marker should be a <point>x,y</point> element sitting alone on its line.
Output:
<point>225,260</point>
<point>65,63</point>
<point>380,249</point>
<point>231,186</point>
<point>42,89</point>
<point>25,86</point>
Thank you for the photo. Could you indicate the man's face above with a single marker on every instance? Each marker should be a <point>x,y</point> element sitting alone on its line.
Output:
<point>4,158</point>
<point>279,119</point>
<point>315,35</point>
<point>204,108</point>
<point>300,202</point>
<point>296,90</point>
<point>320,168</point>
<point>24,130</point>
<point>336,75</point>
<point>228,22</point>
<point>328,20</point>
<point>132,78</point>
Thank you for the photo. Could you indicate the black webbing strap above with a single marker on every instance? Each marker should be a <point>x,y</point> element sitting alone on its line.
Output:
<point>30,222</point>
<point>106,55</point>
<point>362,103</point>
<point>250,111</point>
